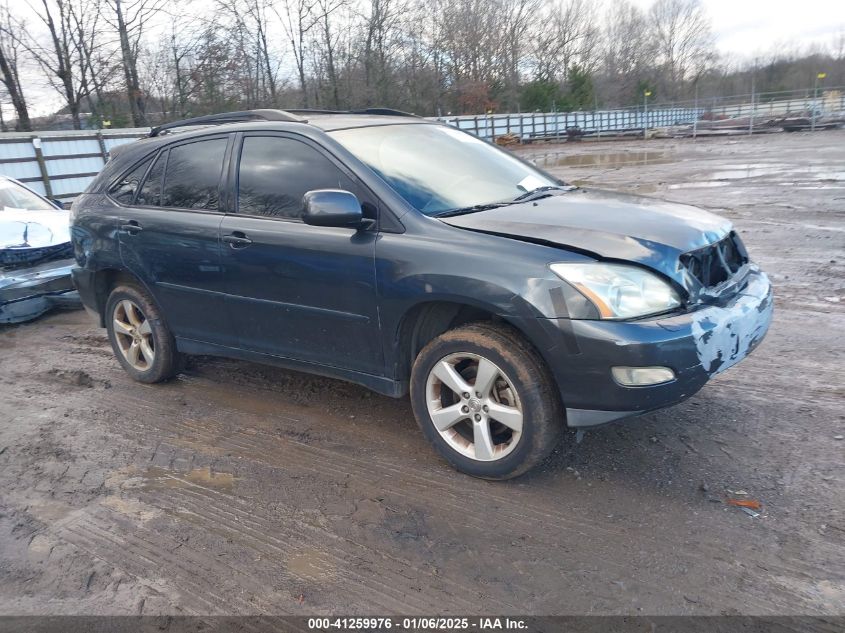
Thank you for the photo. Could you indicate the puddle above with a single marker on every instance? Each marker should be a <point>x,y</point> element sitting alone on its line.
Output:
<point>802,174</point>
<point>158,478</point>
<point>308,564</point>
<point>615,159</point>
<point>259,404</point>
<point>737,174</point>
<point>699,185</point>
<point>205,477</point>
<point>131,508</point>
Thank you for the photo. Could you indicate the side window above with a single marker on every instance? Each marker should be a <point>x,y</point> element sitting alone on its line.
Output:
<point>276,172</point>
<point>150,194</point>
<point>192,177</point>
<point>124,189</point>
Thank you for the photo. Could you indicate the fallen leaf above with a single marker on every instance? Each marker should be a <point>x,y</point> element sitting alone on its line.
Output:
<point>745,503</point>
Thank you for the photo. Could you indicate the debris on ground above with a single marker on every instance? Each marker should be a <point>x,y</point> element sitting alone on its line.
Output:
<point>744,503</point>
<point>506,140</point>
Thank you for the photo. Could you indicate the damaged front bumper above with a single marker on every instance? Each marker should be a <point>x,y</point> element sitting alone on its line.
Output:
<point>27,293</point>
<point>696,346</point>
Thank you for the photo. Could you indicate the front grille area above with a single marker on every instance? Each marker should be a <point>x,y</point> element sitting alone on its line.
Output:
<point>716,263</point>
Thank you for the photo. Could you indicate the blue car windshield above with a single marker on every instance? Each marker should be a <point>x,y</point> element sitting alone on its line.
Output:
<point>14,196</point>
<point>438,169</point>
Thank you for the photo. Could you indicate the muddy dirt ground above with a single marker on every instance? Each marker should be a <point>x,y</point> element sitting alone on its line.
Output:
<point>238,488</point>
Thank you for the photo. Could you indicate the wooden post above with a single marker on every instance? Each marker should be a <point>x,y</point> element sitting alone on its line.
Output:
<point>42,167</point>
<point>102,144</point>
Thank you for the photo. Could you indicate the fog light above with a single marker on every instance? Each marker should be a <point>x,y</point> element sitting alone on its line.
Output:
<point>642,376</point>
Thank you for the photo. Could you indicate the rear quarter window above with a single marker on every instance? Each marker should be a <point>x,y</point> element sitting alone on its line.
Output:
<point>192,176</point>
<point>125,188</point>
<point>150,193</point>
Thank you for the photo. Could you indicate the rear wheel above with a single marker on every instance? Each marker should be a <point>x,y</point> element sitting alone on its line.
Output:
<point>484,398</point>
<point>140,339</point>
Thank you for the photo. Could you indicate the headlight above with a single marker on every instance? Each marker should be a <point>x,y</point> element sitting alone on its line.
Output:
<point>619,291</point>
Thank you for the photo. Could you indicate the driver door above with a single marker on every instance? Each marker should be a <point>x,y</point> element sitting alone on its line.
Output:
<point>295,290</point>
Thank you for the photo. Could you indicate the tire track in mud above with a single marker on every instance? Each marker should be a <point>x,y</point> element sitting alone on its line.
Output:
<point>766,602</point>
<point>145,414</point>
<point>318,462</point>
<point>433,489</point>
<point>382,591</point>
<point>140,553</point>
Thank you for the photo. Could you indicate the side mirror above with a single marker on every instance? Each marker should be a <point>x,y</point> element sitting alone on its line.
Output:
<point>59,204</point>
<point>332,207</point>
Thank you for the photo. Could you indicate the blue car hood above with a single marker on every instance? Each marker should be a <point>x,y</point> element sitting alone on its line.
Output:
<point>606,225</point>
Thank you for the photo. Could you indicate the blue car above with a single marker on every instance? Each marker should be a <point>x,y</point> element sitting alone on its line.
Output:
<point>412,258</point>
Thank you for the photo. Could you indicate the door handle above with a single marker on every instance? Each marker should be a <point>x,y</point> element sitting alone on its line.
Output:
<point>132,227</point>
<point>237,240</point>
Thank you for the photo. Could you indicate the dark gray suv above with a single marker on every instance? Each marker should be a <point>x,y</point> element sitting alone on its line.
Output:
<point>408,256</point>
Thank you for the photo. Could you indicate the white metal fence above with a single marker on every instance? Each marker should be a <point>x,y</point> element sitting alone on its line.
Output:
<point>59,164</point>
<point>553,125</point>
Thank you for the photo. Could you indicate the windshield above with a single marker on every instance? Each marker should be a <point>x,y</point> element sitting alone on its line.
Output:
<point>13,196</point>
<point>438,168</point>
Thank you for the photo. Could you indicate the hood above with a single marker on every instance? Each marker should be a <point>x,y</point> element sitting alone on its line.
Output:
<point>20,228</point>
<point>29,236</point>
<point>606,225</point>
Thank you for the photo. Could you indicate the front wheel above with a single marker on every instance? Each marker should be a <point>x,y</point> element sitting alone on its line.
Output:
<point>486,401</point>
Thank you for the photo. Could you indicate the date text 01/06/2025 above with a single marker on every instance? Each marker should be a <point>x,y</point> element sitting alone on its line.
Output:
<point>418,623</point>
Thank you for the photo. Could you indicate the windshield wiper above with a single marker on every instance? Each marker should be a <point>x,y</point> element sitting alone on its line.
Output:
<point>539,192</point>
<point>472,209</point>
<point>534,194</point>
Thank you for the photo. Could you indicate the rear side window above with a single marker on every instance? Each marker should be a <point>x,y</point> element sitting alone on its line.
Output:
<point>192,176</point>
<point>150,193</point>
<point>276,172</point>
<point>124,189</point>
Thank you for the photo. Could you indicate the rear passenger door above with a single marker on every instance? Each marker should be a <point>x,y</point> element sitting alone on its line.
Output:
<point>169,236</point>
<point>294,290</point>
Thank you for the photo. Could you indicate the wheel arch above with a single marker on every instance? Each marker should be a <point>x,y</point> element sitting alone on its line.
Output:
<point>427,320</point>
<point>106,280</point>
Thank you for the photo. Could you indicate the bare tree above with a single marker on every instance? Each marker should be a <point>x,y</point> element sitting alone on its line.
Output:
<point>627,52</point>
<point>130,20</point>
<point>685,43</point>
<point>65,59</point>
<point>298,19</point>
<point>252,27</point>
<point>10,37</point>
<point>97,66</point>
<point>382,26</point>
<point>520,18</point>
<point>568,36</point>
<point>325,13</point>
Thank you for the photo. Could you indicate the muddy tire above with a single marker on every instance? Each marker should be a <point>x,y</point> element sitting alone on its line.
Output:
<point>139,337</point>
<point>485,399</point>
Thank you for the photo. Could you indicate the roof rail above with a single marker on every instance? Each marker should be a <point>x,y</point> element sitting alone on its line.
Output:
<point>383,112</point>
<point>230,117</point>
<point>372,111</point>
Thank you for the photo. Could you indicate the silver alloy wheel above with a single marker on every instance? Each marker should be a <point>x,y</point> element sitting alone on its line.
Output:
<point>133,334</point>
<point>474,406</point>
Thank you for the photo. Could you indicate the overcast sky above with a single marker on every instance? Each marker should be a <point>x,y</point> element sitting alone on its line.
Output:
<point>752,27</point>
<point>743,28</point>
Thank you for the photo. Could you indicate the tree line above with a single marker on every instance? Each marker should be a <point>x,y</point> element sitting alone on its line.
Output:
<point>141,62</point>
